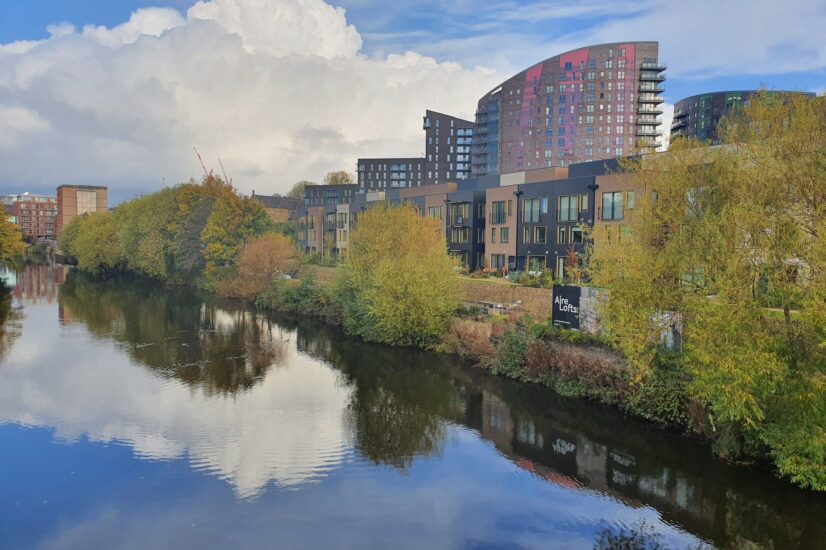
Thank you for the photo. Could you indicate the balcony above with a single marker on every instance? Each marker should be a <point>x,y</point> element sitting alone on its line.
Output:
<point>651,76</point>
<point>647,120</point>
<point>647,110</point>
<point>427,124</point>
<point>659,66</point>
<point>678,123</point>
<point>651,88</point>
<point>651,99</point>
<point>648,132</point>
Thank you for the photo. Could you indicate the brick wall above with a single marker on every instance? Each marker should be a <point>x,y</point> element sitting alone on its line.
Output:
<point>536,302</point>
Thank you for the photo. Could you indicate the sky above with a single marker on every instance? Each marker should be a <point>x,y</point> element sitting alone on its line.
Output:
<point>119,92</point>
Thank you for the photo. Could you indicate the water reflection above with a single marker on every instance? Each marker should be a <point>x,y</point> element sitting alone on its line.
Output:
<point>250,408</point>
<point>261,399</point>
<point>399,407</point>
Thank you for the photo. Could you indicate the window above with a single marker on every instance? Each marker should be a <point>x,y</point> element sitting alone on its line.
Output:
<point>497,261</point>
<point>540,234</point>
<point>498,211</point>
<point>568,206</point>
<point>560,268</point>
<point>536,263</point>
<point>504,234</point>
<point>576,235</point>
<point>459,235</point>
<point>583,202</point>
<point>530,210</point>
<point>493,235</point>
<point>480,235</point>
<point>612,208</point>
<point>544,205</point>
<point>526,234</point>
<point>481,211</point>
<point>560,234</point>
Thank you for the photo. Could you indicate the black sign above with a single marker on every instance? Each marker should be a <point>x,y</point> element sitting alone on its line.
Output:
<point>565,310</point>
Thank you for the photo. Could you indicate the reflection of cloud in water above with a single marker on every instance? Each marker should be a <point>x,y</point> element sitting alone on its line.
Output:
<point>289,428</point>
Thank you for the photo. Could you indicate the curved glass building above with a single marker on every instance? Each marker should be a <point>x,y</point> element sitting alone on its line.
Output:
<point>591,103</point>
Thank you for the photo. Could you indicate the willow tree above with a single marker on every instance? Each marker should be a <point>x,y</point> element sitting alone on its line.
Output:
<point>397,284</point>
<point>731,239</point>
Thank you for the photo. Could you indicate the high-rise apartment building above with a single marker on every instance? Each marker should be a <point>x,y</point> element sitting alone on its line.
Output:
<point>447,151</point>
<point>698,116</point>
<point>448,142</point>
<point>592,103</point>
<point>76,200</point>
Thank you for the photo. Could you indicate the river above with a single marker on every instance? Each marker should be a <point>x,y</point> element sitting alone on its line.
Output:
<point>133,416</point>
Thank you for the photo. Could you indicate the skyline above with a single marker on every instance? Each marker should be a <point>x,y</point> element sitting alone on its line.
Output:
<point>261,85</point>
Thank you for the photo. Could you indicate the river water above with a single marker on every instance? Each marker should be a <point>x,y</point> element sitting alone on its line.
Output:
<point>133,416</point>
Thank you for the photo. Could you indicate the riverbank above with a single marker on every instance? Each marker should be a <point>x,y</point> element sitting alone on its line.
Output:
<point>738,380</point>
<point>289,419</point>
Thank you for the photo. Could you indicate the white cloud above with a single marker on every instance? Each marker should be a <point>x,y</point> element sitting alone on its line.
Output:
<point>145,22</point>
<point>277,89</point>
<point>290,428</point>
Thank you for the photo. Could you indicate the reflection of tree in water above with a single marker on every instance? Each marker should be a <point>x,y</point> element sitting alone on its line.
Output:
<point>11,325</point>
<point>400,401</point>
<point>175,332</point>
<point>641,536</point>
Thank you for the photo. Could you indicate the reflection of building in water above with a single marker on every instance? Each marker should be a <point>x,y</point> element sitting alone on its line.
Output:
<point>35,283</point>
<point>547,448</point>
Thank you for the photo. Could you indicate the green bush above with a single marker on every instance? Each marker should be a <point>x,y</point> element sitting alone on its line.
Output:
<point>663,394</point>
<point>304,297</point>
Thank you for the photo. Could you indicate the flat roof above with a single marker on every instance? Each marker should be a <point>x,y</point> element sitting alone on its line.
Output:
<point>82,187</point>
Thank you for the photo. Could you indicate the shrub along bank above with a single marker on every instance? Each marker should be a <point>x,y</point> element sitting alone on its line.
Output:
<point>398,286</point>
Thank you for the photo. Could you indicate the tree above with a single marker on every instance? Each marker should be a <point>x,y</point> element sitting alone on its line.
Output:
<point>338,177</point>
<point>297,190</point>
<point>11,239</point>
<point>261,260</point>
<point>89,238</point>
<point>232,223</point>
<point>397,284</point>
<point>734,246</point>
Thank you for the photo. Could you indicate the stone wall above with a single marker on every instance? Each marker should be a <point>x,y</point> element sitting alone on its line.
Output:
<point>535,302</point>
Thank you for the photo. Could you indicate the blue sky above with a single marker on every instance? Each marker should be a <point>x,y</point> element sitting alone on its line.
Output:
<point>451,30</point>
<point>118,92</point>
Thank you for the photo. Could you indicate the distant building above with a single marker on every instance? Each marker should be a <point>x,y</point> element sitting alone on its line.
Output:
<point>378,174</point>
<point>699,115</point>
<point>76,200</point>
<point>591,103</point>
<point>448,142</point>
<point>279,209</point>
<point>447,149</point>
<point>341,193</point>
<point>35,214</point>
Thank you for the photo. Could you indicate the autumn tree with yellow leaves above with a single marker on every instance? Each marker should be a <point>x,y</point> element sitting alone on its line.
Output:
<point>732,239</point>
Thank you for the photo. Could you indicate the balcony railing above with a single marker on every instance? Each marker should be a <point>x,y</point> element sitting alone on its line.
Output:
<point>654,66</point>
<point>647,110</point>
<point>650,87</point>
<point>652,76</point>
<point>648,132</point>
<point>651,99</point>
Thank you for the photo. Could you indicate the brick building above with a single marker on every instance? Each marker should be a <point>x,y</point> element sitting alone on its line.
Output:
<point>76,200</point>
